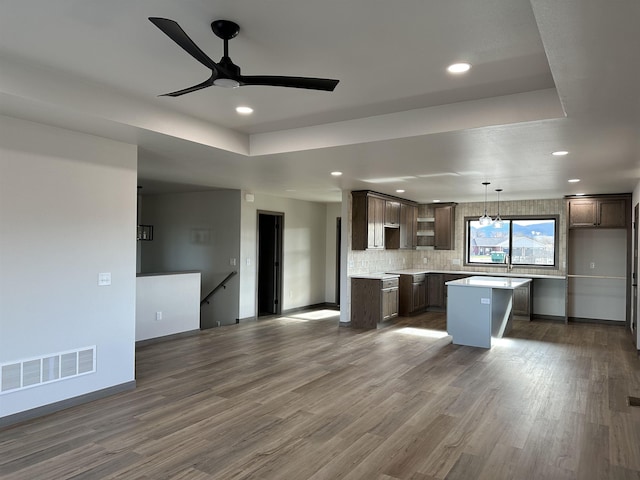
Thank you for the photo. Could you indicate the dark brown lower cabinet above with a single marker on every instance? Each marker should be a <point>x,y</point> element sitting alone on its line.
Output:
<point>435,290</point>
<point>373,301</point>
<point>413,293</point>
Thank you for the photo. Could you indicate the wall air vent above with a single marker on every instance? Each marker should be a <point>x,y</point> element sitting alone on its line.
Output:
<point>31,372</point>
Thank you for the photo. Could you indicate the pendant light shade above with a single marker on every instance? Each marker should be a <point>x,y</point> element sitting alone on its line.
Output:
<point>497,222</point>
<point>485,219</point>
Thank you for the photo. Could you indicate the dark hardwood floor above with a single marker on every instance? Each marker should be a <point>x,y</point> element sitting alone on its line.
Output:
<point>301,398</point>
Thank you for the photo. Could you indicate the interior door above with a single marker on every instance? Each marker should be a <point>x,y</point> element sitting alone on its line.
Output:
<point>269,263</point>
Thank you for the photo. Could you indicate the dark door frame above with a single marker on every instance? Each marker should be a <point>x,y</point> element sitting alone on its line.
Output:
<point>338,255</point>
<point>278,263</point>
<point>634,275</point>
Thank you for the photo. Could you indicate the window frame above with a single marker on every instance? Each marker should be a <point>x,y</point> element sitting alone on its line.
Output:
<point>511,218</point>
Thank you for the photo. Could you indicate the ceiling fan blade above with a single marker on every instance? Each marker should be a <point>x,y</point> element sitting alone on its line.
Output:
<point>178,35</point>
<point>207,83</point>
<point>293,82</point>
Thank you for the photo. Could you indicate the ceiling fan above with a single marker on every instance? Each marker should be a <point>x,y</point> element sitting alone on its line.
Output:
<point>225,73</point>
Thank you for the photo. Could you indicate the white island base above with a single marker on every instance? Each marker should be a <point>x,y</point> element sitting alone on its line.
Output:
<point>479,308</point>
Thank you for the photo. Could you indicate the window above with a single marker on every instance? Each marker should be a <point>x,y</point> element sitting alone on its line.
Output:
<point>529,241</point>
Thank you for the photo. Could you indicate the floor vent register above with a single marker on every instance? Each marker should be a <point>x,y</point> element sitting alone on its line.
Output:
<point>31,372</point>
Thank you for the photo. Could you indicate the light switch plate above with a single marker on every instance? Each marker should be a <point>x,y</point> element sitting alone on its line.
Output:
<point>104,279</point>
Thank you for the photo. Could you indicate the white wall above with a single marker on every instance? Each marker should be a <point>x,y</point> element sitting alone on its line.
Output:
<point>304,262</point>
<point>197,231</point>
<point>67,213</point>
<point>174,298</point>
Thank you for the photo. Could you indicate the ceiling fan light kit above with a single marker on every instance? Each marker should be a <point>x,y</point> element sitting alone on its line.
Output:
<point>225,73</point>
<point>226,83</point>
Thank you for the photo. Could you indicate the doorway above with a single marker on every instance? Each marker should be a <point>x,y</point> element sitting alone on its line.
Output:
<point>269,263</point>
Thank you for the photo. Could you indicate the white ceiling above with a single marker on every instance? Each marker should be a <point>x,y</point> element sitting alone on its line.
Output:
<point>547,75</point>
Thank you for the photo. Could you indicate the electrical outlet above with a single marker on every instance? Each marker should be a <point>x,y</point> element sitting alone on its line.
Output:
<point>104,279</point>
<point>425,260</point>
<point>158,316</point>
<point>232,262</point>
<point>455,261</point>
<point>592,265</point>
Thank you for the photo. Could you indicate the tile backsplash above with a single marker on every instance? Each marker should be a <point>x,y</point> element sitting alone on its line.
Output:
<point>373,261</point>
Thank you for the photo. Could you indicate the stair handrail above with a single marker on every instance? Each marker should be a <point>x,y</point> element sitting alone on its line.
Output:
<point>222,284</point>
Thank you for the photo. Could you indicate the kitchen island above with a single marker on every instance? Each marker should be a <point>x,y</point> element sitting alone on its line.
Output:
<point>479,308</point>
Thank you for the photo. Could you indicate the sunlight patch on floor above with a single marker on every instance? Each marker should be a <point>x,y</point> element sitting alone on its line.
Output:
<point>422,332</point>
<point>316,315</point>
<point>502,342</point>
<point>292,320</point>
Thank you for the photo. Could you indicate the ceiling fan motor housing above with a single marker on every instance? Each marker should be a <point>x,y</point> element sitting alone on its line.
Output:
<point>225,29</point>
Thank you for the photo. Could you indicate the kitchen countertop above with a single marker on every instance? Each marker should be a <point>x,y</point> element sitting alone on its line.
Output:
<point>417,271</point>
<point>508,283</point>
<point>376,276</point>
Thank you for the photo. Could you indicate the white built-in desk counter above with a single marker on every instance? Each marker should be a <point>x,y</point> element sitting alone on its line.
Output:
<point>479,308</point>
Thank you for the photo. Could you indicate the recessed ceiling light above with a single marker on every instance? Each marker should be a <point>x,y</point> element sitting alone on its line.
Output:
<point>400,191</point>
<point>459,68</point>
<point>244,110</point>
<point>560,153</point>
<point>436,201</point>
<point>336,174</point>
<point>574,180</point>
<point>579,194</point>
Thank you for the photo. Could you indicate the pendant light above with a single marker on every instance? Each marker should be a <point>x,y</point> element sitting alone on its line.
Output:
<point>485,219</point>
<point>497,222</point>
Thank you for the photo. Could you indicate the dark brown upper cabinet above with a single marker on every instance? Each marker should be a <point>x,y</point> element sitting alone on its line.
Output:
<point>607,211</point>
